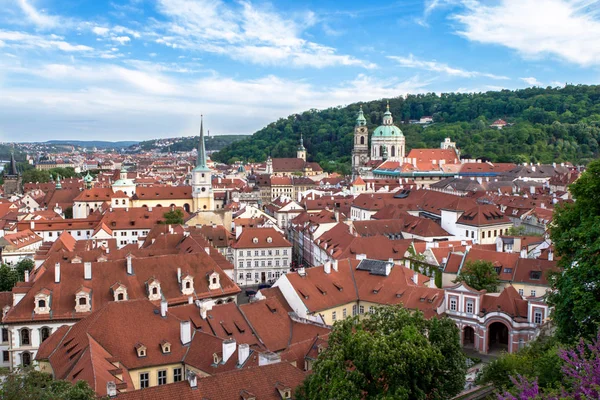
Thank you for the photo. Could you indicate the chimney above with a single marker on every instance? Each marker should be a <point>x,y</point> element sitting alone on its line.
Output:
<point>129,265</point>
<point>185,332</point>
<point>238,231</point>
<point>26,276</point>
<point>111,389</point>
<point>301,272</point>
<point>57,273</point>
<point>190,300</point>
<point>334,264</point>
<point>87,271</point>
<point>178,275</point>
<point>532,189</point>
<point>164,306</point>
<point>327,267</point>
<point>205,306</point>
<point>32,224</point>
<point>360,257</point>
<point>229,347</point>
<point>524,252</point>
<point>243,353</point>
<point>192,379</point>
<point>432,283</point>
<point>550,255</point>
<point>415,278</point>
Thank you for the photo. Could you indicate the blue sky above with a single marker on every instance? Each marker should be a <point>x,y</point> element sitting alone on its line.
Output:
<point>139,69</point>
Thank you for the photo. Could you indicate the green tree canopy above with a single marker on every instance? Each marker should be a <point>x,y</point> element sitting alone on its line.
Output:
<point>29,384</point>
<point>392,354</point>
<point>575,233</point>
<point>174,217</point>
<point>9,276</point>
<point>480,275</point>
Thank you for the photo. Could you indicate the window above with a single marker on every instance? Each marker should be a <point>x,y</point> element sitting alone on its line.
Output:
<point>42,303</point>
<point>535,275</point>
<point>361,310</point>
<point>371,310</point>
<point>262,252</point>
<point>25,337</point>
<point>162,377</point>
<point>256,253</point>
<point>333,316</point>
<point>256,275</point>
<point>470,306</point>
<point>537,317</point>
<point>248,253</point>
<point>177,374</point>
<point>5,356</point>
<point>248,264</point>
<point>241,264</point>
<point>4,335</point>
<point>44,333</point>
<point>277,263</point>
<point>472,234</point>
<point>521,292</point>
<point>144,380</point>
<point>452,304</point>
<point>344,313</point>
<point>120,297</point>
<point>123,233</point>
<point>276,252</point>
<point>256,264</point>
<point>241,277</point>
<point>26,359</point>
<point>249,275</point>
<point>285,252</point>
<point>533,293</point>
<point>483,235</point>
<point>82,301</point>
<point>354,310</point>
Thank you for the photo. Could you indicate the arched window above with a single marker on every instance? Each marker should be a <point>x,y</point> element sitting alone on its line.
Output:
<point>120,297</point>
<point>45,333</point>
<point>42,303</point>
<point>159,205</point>
<point>25,359</point>
<point>155,290</point>
<point>362,140</point>
<point>25,339</point>
<point>186,207</point>
<point>82,301</point>
<point>188,285</point>
<point>381,151</point>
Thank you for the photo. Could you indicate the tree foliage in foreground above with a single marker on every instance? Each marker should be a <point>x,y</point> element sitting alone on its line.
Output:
<point>392,354</point>
<point>29,384</point>
<point>174,217</point>
<point>575,232</point>
<point>480,275</point>
<point>10,276</point>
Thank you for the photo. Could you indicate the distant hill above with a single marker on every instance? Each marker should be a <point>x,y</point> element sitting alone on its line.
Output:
<point>547,125</point>
<point>191,142</point>
<point>92,143</point>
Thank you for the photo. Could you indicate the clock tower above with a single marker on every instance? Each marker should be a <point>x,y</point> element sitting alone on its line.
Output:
<point>360,153</point>
<point>202,191</point>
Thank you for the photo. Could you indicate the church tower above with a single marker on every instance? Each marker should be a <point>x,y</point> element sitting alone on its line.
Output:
<point>301,153</point>
<point>12,178</point>
<point>360,152</point>
<point>202,192</point>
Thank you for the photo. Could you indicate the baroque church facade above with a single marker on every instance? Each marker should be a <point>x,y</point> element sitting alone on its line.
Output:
<point>387,142</point>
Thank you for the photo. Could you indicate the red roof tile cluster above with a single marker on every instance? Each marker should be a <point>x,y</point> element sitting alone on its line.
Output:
<point>251,238</point>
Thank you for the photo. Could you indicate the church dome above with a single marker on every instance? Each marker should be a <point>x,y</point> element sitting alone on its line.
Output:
<point>388,129</point>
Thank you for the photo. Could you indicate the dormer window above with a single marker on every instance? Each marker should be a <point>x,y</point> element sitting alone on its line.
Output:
<point>83,300</point>
<point>119,291</point>
<point>216,358</point>
<point>140,349</point>
<point>165,346</point>
<point>42,302</point>
<point>187,285</point>
<point>154,289</point>
<point>255,240</point>
<point>214,282</point>
<point>269,240</point>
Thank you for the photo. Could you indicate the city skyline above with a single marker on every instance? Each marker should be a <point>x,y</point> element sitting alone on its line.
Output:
<point>140,70</point>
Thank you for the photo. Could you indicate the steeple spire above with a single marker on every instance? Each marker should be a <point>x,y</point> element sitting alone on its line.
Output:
<point>360,120</point>
<point>13,165</point>
<point>201,160</point>
<point>58,184</point>
<point>301,147</point>
<point>387,115</point>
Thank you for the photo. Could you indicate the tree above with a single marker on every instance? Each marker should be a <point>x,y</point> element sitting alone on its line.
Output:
<point>392,354</point>
<point>480,275</point>
<point>29,384</point>
<point>8,278</point>
<point>575,233</point>
<point>174,217</point>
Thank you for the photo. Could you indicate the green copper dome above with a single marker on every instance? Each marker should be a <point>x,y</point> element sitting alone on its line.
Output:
<point>88,178</point>
<point>387,131</point>
<point>360,120</point>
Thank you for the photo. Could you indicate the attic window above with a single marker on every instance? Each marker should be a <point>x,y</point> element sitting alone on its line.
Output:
<point>535,275</point>
<point>255,240</point>
<point>269,240</point>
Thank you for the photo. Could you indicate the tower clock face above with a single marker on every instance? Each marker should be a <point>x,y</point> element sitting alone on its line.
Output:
<point>362,130</point>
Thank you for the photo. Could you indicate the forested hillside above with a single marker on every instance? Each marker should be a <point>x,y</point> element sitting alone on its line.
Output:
<point>191,142</point>
<point>547,125</point>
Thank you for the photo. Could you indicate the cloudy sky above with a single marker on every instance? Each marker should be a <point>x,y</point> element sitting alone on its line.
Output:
<point>138,69</point>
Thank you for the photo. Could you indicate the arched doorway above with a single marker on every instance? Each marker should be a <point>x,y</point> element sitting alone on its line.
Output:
<point>498,337</point>
<point>468,337</point>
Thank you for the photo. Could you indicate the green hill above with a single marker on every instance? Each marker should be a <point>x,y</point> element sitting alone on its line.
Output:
<point>191,142</point>
<point>547,125</point>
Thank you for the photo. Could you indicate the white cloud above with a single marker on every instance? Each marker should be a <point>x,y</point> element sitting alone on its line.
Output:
<point>531,81</point>
<point>412,62</point>
<point>567,29</point>
<point>121,39</point>
<point>100,31</point>
<point>144,101</point>
<point>38,18</point>
<point>26,40</point>
<point>246,33</point>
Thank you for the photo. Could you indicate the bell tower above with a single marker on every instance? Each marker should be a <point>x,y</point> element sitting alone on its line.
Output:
<point>360,152</point>
<point>301,153</point>
<point>202,191</point>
